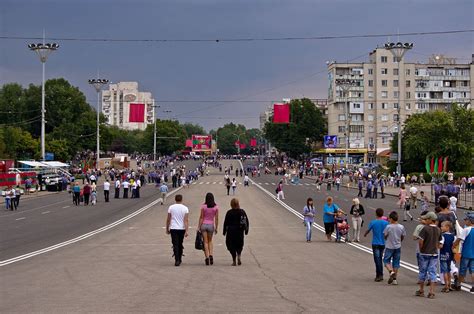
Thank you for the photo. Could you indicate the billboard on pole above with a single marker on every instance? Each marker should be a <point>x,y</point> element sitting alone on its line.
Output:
<point>202,143</point>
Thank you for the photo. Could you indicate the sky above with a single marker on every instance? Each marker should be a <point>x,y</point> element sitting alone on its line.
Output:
<point>192,78</point>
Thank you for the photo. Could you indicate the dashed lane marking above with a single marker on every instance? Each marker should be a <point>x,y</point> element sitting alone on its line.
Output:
<point>66,206</point>
<point>21,218</point>
<point>46,212</point>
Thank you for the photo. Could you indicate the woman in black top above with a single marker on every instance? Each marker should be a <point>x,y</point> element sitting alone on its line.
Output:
<point>236,223</point>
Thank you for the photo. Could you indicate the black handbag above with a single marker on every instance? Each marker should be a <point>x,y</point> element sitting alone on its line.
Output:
<point>199,242</point>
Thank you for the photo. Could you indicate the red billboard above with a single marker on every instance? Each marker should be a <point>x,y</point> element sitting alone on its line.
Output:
<point>202,143</point>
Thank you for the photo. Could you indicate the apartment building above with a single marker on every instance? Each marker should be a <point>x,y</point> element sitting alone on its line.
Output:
<point>384,91</point>
<point>124,106</point>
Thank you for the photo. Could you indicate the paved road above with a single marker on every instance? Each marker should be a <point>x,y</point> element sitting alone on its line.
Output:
<point>48,220</point>
<point>130,269</point>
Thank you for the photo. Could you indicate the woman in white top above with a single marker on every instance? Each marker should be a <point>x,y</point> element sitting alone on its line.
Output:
<point>234,186</point>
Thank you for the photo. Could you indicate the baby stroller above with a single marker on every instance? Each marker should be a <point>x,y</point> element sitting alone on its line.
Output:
<point>342,228</point>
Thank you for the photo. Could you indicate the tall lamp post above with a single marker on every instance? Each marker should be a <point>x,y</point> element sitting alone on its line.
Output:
<point>43,50</point>
<point>346,85</point>
<point>154,132</point>
<point>98,84</point>
<point>398,50</point>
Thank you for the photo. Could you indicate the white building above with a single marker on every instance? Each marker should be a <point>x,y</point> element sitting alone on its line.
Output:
<point>117,102</point>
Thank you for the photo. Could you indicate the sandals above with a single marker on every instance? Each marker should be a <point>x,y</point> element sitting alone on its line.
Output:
<point>431,296</point>
<point>419,293</point>
<point>445,290</point>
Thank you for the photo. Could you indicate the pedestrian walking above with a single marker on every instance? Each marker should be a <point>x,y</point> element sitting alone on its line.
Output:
<point>13,199</point>
<point>382,186</point>
<point>76,194</point>
<point>246,180</point>
<point>164,192</point>
<point>377,226</point>
<point>394,234</point>
<point>413,196</point>
<point>425,202</point>
<point>402,202</point>
<point>466,237</point>
<point>375,188</point>
<point>309,212</point>
<point>117,188</point>
<point>227,183</point>
<point>8,198</point>
<point>125,185</point>
<point>87,193</point>
<point>234,186</point>
<point>357,211</point>
<point>430,240</point>
<point>106,190</point>
<point>360,185</point>
<point>208,222</point>
<point>279,191</point>
<point>446,255</point>
<point>236,224</point>
<point>329,212</point>
<point>177,224</point>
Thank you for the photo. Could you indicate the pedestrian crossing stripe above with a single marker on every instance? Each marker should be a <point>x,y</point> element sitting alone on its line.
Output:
<point>208,182</point>
<point>201,182</point>
<point>273,183</point>
<point>266,183</point>
<point>214,182</point>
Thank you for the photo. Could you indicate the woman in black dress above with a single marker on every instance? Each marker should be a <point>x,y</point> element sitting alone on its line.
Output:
<point>236,223</point>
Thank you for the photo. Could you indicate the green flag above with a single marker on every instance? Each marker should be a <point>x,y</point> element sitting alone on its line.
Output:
<point>436,165</point>
<point>427,164</point>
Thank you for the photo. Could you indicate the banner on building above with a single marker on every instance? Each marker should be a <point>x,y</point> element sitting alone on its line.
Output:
<point>201,143</point>
<point>137,113</point>
<point>253,142</point>
<point>330,141</point>
<point>189,143</point>
<point>281,113</point>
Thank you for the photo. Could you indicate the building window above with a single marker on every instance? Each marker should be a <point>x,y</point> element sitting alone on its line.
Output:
<point>384,94</point>
<point>408,95</point>
<point>370,71</point>
<point>395,117</point>
<point>371,128</point>
<point>384,105</point>
<point>370,94</point>
<point>463,94</point>
<point>407,83</point>
<point>371,83</point>
<point>421,106</point>
<point>384,83</point>
<point>383,59</point>
<point>407,72</point>
<point>384,140</point>
<point>384,117</point>
<point>356,117</point>
<point>407,106</point>
<point>370,117</point>
<point>384,71</point>
<point>356,105</point>
<point>342,117</point>
<point>371,105</point>
<point>384,129</point>
<point>341,129</point>
<point>371,140</point>
<point>396,94</point>
<point>395,71</point>
<point>395,105</point>
<point>395,83</point>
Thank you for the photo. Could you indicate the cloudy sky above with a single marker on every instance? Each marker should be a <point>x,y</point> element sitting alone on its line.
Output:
<point>182,74</point>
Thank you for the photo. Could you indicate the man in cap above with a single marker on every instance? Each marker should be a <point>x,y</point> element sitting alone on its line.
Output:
<point>467,252</point>
<point>430,240</point>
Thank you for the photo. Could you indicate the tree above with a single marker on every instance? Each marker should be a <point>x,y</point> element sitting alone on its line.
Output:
<point>191,129</point>
<point>171,137</point>
<point>227,137</point>
<point>18,143</point>
<point>307,126</point>
<point>435,134</point>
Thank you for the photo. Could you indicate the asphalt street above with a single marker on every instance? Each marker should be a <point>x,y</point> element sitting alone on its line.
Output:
<point>129,268</point>
<point>47,220</point>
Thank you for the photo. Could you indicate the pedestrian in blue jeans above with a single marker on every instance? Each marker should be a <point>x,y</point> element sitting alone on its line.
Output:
<point>377,226</point>
<point>308,213</point>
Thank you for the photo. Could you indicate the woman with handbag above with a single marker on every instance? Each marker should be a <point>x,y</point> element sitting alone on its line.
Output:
<point>236,223</point>
<point>208,222</point>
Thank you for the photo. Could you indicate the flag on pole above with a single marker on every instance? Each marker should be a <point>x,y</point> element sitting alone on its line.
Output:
<point>445,164</point>
<point>440,164</point>
<point>136,113</point>
<point>427,164</point>
<point>237,143</point>
<point>253,142</point>
<point>432,165</point>
<point>435,164</point>
<point>281,113</point>
<point>242,146</point>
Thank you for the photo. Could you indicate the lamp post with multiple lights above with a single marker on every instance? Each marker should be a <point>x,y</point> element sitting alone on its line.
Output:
<point>98,84</point>
<point>346,84</point>
<point>398,50</point>
<point>43,50</point>
<point>154,132</point>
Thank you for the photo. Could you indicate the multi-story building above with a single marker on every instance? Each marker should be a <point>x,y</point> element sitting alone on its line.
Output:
<point>385,91</point>
<point>123,105</point>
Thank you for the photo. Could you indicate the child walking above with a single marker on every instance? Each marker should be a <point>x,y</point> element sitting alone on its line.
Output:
<point>446,254</point>
<point>377,226</point>
<point>394,234</point>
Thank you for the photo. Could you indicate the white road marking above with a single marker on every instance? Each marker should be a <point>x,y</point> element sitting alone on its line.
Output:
<point>260,183</point>
<point>266,183</point>
<point>214,182</point>
<point>406,265</point>
<point>66,206</point>
<point>201,182</point>
<point>21,218</point>
<point>46,212</point>
<point>208,182</point>
<point>273,183</point>
<point>84,236</point>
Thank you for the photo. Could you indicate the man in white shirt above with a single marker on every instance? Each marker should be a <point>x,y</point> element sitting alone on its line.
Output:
<point>106,190</point>
<point>177,225</point>
<point>117,188</point>
<point>93,179</point>
<point>125,185</point>
<point>246,180</point>
<point>413,196</point>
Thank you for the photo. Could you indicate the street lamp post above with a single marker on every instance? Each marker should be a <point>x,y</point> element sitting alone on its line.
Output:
<point>98,84</point>
<point>154,133</point>
<point>346,85</point>
<point>398,50</point>
<point>43,50</point>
